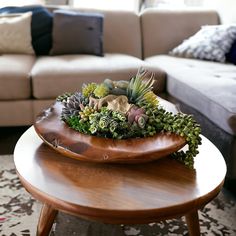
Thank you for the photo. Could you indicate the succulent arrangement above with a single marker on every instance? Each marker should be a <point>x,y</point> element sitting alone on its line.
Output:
<point>127,109</point>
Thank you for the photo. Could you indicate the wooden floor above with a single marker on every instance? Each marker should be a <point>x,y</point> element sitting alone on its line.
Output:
<point>9,137</point>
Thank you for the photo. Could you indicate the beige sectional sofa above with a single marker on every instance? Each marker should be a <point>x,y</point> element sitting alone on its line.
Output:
<point>208,89</point>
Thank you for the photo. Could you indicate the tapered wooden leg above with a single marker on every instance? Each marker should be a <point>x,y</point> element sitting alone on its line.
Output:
<point>193,223</point>
<point>46,220</point>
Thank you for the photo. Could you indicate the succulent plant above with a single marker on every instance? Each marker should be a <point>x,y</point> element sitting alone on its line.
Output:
<point>109,83</point>
<point>139,86</point>
<point>180,124</point>
<point>95,112</point>
<point>72,106</point>
<point>104,122</point>
<point>75,123</point>
<point>88,89</point>
<point>133,112</point>
<point>93,129</point>
<point>141,120</point>
<point>113,126</point>
<point>101,91</point>
<point>64,97</point>
<point>149,99</point>
<point>85,113</point>
<point>116,87</point>
<point>118,115</point>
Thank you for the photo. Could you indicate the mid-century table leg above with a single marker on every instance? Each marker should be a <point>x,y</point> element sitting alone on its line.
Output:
<point>46,220</point>
<point>193,223</point>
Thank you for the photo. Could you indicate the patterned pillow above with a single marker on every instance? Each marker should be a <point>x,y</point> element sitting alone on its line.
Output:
<point>209,43</point>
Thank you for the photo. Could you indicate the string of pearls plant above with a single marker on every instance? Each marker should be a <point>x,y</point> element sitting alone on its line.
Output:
<point>128,109</point>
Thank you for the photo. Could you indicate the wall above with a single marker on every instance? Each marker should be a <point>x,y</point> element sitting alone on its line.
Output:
<point>4,3</point>
<point>226,9</point>
<point>56,2</point>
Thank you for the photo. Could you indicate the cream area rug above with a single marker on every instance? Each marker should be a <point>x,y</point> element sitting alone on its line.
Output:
<point>19,213</point>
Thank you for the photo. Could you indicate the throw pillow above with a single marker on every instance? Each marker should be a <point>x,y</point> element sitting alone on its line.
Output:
<point>231,55</point>
<point>15,31</point>
<point>210,43</point>
<point>41,26</point>
<point>77,33</point>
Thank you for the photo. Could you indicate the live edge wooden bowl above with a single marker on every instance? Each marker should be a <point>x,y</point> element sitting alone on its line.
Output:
<point>73,144</point>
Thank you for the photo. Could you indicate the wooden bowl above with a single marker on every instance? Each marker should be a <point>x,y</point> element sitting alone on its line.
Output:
<point>71,143</point>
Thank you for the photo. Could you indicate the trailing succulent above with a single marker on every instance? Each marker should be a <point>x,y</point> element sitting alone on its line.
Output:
<point>122,110</point>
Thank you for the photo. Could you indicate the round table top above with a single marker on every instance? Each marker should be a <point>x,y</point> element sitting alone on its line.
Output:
<point>118,193</point>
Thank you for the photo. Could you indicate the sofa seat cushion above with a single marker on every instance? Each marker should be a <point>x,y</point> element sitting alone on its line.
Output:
<point>52,76</point>
<point>209,87</point>
<point>15,76</point>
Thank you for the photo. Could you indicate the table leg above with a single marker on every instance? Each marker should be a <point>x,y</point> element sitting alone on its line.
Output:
<point>46,220</point>
<point>193,223</point>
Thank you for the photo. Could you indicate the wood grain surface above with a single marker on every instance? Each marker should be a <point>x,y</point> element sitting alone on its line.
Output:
<point>59,136</point>
<point>118,193</point>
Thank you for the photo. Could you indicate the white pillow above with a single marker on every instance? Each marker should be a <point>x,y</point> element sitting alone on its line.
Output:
<point>15,33</point>
<point>209,43</point>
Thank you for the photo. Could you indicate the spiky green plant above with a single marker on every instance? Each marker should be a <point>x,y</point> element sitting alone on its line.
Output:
<point>139,86</point>
<point>101,91</point>
<point>88,89</point>
<point>150,99</point>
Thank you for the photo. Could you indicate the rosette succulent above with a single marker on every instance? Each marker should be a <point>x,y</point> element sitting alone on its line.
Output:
<point>73,105</point>
<point>104,122</point>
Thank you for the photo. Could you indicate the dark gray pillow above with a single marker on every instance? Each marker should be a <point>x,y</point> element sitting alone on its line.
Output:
<point>77,33</point>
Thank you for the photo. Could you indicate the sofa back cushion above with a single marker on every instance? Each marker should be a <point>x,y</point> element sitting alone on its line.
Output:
<point>162,30</point>
<point>82,33</point>
<point>121,31</point>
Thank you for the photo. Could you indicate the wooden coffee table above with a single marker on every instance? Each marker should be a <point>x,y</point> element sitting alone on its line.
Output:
<point>117,193</point>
